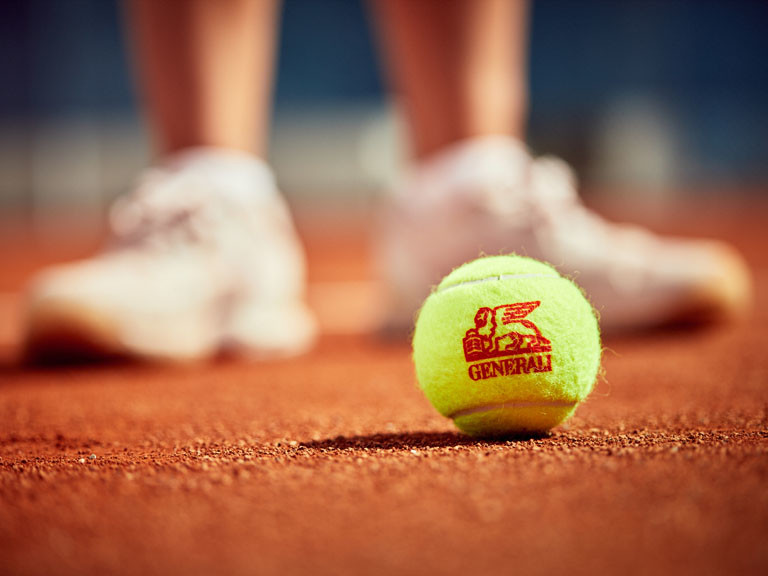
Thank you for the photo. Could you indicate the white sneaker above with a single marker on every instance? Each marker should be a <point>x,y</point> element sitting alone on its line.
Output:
<point>488,196</point>
<point>203,257</point>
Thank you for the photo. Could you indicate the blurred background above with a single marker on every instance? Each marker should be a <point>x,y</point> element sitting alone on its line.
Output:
<point>659,98</point>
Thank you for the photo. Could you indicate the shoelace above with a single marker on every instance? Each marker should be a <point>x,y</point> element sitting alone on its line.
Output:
<point>553,185</point>
<point>546,193</point>
<point>610,243</point>
<point>165,209</point>
<point>546,189</point>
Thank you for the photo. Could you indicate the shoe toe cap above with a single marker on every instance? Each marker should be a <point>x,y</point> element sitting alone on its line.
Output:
<point>724,286</point>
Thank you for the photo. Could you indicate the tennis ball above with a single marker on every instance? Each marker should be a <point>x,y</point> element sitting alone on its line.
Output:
<point>506,346</point>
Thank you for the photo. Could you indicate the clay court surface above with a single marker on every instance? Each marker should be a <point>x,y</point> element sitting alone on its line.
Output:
<point>334,463</point>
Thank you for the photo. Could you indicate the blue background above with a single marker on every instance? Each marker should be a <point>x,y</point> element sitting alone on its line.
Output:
<point>704,62</point>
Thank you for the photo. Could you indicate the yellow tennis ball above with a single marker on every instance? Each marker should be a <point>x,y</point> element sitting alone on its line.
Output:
<point>505,345</point>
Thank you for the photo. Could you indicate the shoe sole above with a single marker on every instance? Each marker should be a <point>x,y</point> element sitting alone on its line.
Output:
<point>63,332</point>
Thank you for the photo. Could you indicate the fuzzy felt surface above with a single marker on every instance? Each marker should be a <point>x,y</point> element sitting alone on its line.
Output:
<point>506,344</point>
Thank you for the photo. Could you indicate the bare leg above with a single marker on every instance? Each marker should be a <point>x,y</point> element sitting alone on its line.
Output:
<point>206,70</point>
<point>459,67</point>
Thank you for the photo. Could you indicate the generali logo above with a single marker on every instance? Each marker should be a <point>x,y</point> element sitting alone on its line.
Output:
<point>504,343</point>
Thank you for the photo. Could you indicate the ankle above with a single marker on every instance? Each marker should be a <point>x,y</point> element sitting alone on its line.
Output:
<point>231,169</point>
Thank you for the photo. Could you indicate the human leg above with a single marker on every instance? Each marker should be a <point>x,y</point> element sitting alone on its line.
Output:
<point>457,67</point>
<point>205,71</point>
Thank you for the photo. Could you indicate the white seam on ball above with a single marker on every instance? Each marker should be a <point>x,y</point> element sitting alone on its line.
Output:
<point>495,279</point>
<point>489,407</point>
